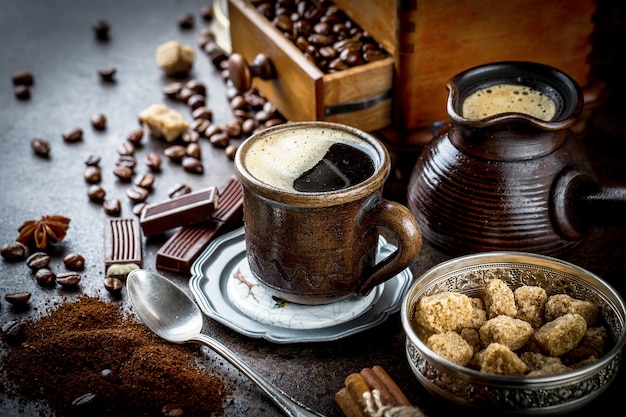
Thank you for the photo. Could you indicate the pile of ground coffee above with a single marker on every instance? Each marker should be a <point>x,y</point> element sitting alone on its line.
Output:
<point>88,358</point>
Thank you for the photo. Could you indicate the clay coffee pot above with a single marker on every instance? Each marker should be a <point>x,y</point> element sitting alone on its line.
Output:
<point>511,179</point>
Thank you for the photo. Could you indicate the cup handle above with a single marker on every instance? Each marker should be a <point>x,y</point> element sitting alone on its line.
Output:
<point>402,223</point>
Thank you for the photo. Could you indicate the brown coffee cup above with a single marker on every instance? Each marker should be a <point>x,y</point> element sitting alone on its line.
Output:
<point>313,212</point>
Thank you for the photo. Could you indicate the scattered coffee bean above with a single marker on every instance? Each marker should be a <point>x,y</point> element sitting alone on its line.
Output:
<point>212,130</point>
<point>112,207</point>
<point>98,121</point>
<point>68,279</point>
<point>144,180</point>
<point>190,136</point>
<point>186,21</point>
<point>178,190</point>
<point>12,330</point>
<point>85,400</point>
<point>92,160</point>
<point>74,261</point>
<point>123,173</point>
<point>137,194</point>
<point>128,161</point>
<point>110,375</point>
<point>231,151</point>
<point>153,161</point>
<point>126,149</point>
<point>220,140</point>
<point>185,93</point>
<point>138,208</point>
<point>196,85</point>
<point>38,260</point>
<point>207,12</point>
<point>23,78</point>
<point>107,74</point>
<point>192,165</point>
<point>233,128</point>
<point>40,146</point>
<point>45,277</point>
<point>101,29</point>
<point>92,174</point>
<point>135,136</point>
<point>73,135</point>
<point>96,193</point>
<point>202,113</point>
<point>196,101</point>
<point>175,152</point>
<point>18,298</point>
<point>22,92</point>
<point>194,150</point>
<point>113,284</point>
<point>172,410</point>
<point>14,251</point>
<point>172,89</point>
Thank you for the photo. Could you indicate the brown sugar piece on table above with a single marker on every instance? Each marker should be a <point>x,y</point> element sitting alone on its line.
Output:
<point>372,392</point>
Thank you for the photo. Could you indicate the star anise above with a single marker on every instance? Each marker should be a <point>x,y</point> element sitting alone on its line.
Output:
<point>47,229</point>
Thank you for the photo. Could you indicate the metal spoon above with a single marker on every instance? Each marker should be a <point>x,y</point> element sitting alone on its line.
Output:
<point>170,313</point>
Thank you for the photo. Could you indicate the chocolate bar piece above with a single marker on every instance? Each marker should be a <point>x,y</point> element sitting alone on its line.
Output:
<point>122,242</point>
<point>187,209</point>
<point>182,249</point>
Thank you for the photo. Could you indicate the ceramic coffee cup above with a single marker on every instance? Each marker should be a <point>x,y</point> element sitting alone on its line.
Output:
<point>313,212</point>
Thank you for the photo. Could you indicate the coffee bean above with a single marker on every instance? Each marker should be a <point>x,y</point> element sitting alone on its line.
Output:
<point>68,279</point>
<point>186,21</point>
<point>212,130</point>
<point>12,330</point>
<point>126,149</point>
<point>194,150</point>
<point>110,375</point>
<point>231,151</point>
<point>207,12</point>
<point>190,135</point>
<point>192,165</point>
<point>38,260</point>
<point>113,284</point>
<point>92,160</point>
<point>14,251</point>
<point>23,78</point>
<point>92,174</point>
<point>22,92</point>
<point>123,173</point>
<point>137,194</point>
<point>74,261</point>
<point>73,135</point>
<point>144,180</point>
<point>96,193</point>
<point>178,190</point>
<point>220,140</point>
<point>172,89</point>
<point>18,298</point>
<point>45,277</point>
<point>40,146</point>
<point>200,126</point>
<point>197,86</point>
<point>196,101</point>
<point>107,74</point>
<point>135,136</point>
<point>101,29</point>
<point>112,207</point>
<point>248,126</point>
<point>127,161</point>
<point>202,113</point>
<point>138,208</point>
<point>175,152</point>
<point>98,121</point>
<point>233,128</point>
<point>153,161</point>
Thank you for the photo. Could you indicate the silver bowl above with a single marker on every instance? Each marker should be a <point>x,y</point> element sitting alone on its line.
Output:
<point>544,395</point>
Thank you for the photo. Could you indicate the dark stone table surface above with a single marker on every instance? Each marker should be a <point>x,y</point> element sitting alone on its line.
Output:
<point>54,41</point>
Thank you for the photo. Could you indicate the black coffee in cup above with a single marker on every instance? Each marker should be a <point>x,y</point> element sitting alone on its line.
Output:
<point>308,163</point>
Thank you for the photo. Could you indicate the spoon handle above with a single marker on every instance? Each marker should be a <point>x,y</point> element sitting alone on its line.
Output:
<point>288,405</point>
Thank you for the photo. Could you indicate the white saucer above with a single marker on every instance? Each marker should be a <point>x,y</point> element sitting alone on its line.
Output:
<point>212,275</point>
<point>257,302</point>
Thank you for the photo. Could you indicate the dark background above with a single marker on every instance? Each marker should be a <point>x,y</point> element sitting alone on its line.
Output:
<point>54,40</point>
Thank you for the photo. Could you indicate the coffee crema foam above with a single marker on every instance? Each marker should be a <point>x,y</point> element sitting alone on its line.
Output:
<point>279,159</point>
<point>506,98</point>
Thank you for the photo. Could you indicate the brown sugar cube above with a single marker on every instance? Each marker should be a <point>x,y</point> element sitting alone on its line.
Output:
<point>592,345</point>
<point>472,338</point>
<point>499,299</point>
<point>535,360</point>
<point>560,304</point>
<point>451,346</point>
<point>505,330</point>
<point>446,311</point>
<point>531,303</point>
<point>561,334</point>
<point>499,359</point>
<point>479,315</point>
